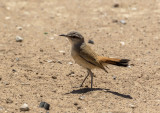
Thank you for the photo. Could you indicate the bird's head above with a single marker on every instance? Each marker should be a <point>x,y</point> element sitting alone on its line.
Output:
<point>74,37</point>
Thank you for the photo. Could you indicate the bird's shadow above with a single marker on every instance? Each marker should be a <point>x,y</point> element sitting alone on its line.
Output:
<point>85,90</point>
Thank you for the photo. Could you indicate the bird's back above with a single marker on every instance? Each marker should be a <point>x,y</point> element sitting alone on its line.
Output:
<point>86,57</point>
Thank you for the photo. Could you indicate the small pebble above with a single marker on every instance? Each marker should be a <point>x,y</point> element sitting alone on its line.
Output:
<point>59,62</point>
<point>70,63</point>
<point>13,70</point>
<point>54,77</point>
<point>19,28</point>
<point>82,97</point>
<point>72,72</point>
<point>116,5</point>
<point>49,61</point>
<point>41,50</point>
<point>132,106</point>
<point>115,21</point>
<point>78,107</point>
<point>91,41</point>
<point>45,33</point>
<point>41,105</point>
<point>6,83</point>
<point>24,107</point>
<point>19,39</point>
<point>17,59</point>
<point>63,52</point>
<point>114,77</point>
<point>75,103</point>
<point>122,21</point>
<point>25,84</point>
<point>46,106</point>
<point>122,43</point>
<point>9,101</point>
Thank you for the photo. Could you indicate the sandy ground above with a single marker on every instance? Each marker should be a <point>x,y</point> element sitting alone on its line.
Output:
<point>39,68</point>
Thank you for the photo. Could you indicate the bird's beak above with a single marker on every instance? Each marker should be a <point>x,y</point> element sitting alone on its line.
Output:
<point>63,35</point>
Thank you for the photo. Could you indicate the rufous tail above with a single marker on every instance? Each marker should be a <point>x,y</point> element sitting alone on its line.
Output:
<point>114,61</point>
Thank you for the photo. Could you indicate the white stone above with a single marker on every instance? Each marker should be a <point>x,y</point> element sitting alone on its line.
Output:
<point>122,21</point>
<point>24,107</point>
<point>19,39</point>
<point>70,63</point>
<point>49,61</point>
<point>122,43</point>
<point>132,106</point>
<point>82,97</point>
<point>63,52</point>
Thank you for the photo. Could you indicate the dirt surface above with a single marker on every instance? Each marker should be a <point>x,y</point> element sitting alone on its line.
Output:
<point>40,67</point>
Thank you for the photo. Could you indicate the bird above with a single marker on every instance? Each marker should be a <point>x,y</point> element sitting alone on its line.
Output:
<point>87,58</point>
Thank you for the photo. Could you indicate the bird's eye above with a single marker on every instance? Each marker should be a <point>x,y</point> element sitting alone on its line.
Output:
<point>74,37</point>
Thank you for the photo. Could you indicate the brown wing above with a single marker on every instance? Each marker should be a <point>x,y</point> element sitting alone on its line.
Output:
<point>90,56</point>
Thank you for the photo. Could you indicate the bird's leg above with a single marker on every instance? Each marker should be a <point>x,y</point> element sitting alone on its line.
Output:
<point>85,78</point>
<point>91,78</point>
